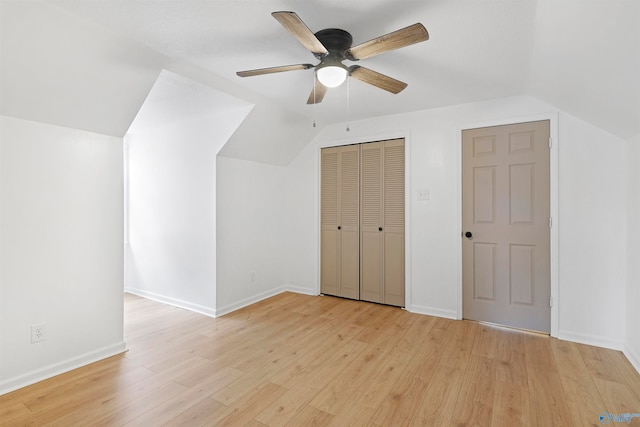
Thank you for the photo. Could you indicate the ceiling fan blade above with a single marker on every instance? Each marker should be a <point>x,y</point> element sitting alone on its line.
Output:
<point>317,94</point>
<point>412,34</point>
<point>376,79</point>
<point>271,70</point>
<point>292,23</point>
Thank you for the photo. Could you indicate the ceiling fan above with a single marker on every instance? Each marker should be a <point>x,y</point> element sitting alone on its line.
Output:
<point>332,46</point>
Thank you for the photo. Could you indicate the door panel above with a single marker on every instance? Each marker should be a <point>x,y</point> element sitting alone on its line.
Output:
<point>506,265</point>
<point>382,222</point>
<point>349,214</point>
<point>372,239</point>
<point>521,262</point>
<point>484,267</point>
<point>394,269</point>
<point>329,222</point>
<point>484,183</point>
<point>371,269</point>
<point>521,203</point>
<point>329,263</point>
<point>339,188</point>
<point>349,264</point>
<point>393,224</point>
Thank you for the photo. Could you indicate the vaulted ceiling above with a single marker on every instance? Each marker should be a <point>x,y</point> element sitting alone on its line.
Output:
<point>582,56</point>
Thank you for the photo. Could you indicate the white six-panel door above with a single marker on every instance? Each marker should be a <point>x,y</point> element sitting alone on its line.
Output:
<point>505,223</point>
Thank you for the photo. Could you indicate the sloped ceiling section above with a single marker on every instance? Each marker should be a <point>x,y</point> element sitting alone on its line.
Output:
<point>60,70</point>
<point>177,99</point>
<point>65,70</point>
<point>586,60</point>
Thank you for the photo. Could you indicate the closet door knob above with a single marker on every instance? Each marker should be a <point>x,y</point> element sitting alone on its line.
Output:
<point>379,228</point>
<point>339,228</point>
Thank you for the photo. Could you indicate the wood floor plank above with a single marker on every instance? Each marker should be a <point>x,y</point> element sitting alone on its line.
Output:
<point>600,363</point>
<point>548,398</point>
<point>373,392</point>
<point>583,398</point>
<point>287,407</point>
<point>53,406</point>
<point>617,397</point>
<point>511,405</point>
<point>302,360</point>
<point>197,414</point>
<point>405,395</point>
<point>326,369</point>
<point>350,379</point>
<point>438,401</point>
<point>512,365</point>
<point>13,410</point>
<point>105,405</point>
<point>309,416</point>
<point>486,345</point>
<point>141,405</point>
<point>441,394</point>
<point>250,406</point>
<point>53,386</point>
<point>474,404</point>
<point>185,400</point>
<point>628,372</point>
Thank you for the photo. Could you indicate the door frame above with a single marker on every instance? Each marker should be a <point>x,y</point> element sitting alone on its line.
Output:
<point>364,139</point>
<point>554,208</point>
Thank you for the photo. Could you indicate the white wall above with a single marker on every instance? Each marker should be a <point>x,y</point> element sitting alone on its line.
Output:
<point>251,225</point>
<point>170,158</point>
<point>593,206</point>
<point>632,347</point>
<point>171,248</point>
<point>61,257</point>
<point>592,203</point>
<point>301,216</point>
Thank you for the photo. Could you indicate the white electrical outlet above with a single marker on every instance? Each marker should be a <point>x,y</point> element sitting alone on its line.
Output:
<point>38,333</point>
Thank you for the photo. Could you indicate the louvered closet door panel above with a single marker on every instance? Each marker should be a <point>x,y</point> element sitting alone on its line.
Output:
<point>349,214</point>
<point>329,221</point>
<point>393,225</point>
<point>371,203</point>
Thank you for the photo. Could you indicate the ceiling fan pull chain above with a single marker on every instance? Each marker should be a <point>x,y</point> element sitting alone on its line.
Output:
<point>314,99</point>
<point>348,86</point>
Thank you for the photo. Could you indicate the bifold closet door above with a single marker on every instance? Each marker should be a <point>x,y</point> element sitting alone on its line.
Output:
<point>382,222</point>
<point>340,221</point>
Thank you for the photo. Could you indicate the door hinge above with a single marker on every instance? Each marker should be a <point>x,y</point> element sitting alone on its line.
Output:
<point>550,301</point>
<point>550,142</point>
<point>550,222</point>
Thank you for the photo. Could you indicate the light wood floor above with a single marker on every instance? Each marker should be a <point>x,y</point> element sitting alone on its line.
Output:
<point>301,360</point>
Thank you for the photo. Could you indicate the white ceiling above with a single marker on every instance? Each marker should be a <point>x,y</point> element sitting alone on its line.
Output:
<point>582,56</point>
<point>468,57</point>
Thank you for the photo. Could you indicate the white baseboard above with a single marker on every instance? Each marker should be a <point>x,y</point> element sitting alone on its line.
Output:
<point>299,290</point>
<point>251,300</point>
<point>61,367</point>
<point>633,357</point>
<point>431,311</point>
<point>593,340</point>
<point>207,311</point>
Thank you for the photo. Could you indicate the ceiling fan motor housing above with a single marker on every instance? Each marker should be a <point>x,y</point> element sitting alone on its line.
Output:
<point>336,41</point>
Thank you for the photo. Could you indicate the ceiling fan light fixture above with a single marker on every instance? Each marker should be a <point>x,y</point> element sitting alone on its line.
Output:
<point>332,75</point>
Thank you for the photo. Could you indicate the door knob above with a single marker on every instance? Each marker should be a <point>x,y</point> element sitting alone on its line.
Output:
<point>379,228</point>
<point>468,235</point>
<point>339,228</point>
